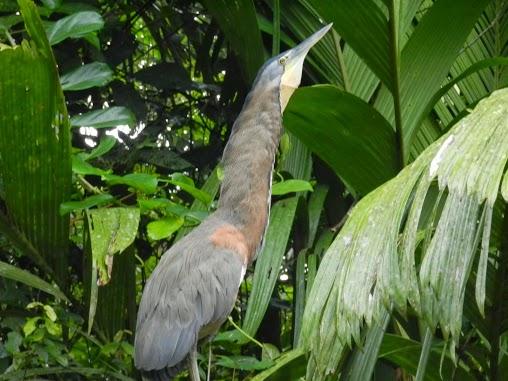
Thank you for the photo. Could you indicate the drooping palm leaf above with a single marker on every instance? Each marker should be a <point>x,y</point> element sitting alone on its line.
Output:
<point>446,197</point>
<point>35,144</point>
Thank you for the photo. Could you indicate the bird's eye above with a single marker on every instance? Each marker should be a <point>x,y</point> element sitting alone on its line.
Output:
<point>282,60</point>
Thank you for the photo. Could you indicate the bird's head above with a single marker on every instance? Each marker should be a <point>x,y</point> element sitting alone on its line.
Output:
<point>285,70</point>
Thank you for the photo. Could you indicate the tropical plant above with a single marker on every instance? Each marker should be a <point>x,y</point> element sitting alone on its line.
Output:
<point>386,251</point>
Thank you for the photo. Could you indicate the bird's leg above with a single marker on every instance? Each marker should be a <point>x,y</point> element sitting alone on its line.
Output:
<point>209,361</point>
<point>193,363</point>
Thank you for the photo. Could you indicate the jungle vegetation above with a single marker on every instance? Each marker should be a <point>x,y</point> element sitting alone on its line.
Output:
<point>386,257</point>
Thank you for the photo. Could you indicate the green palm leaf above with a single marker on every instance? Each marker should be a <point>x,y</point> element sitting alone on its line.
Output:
<point>34,143</point>
<point>446,196</point>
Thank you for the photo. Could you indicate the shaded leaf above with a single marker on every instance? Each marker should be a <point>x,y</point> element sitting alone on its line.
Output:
<point>289,366</point>
<point>242,362</point>
<point>105,145</point>
<point>19,275</point>
<point>95,74</point>
<point>74,26</point>
<point>238,22</point>
<point>405,353</point>
<point>105,118</point>
<point>347,133</point>
<point>81,167</point>
<point>99,199</point>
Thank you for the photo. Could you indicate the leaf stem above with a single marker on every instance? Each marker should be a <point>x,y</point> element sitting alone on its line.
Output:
<point>394,25</point>
<point>244,333</point>
<point>424,355</point>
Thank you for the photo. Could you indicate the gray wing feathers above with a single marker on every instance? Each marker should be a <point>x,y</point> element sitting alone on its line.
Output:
<point>187,291</point>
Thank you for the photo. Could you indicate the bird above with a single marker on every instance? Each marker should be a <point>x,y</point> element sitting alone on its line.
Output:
<point>194,287</point>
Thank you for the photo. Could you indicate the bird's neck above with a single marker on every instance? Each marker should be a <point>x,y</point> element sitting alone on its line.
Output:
<point>248,164</point>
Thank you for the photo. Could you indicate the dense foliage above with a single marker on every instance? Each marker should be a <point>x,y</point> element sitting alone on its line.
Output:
<point>386,254</point>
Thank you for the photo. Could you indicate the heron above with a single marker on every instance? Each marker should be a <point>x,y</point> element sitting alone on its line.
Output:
<point>193,289</point>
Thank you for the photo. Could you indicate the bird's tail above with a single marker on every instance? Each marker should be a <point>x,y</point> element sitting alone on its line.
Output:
<point>166,374</point>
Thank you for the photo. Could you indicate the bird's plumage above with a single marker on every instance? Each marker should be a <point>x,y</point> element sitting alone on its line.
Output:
<point>182,297</point>
<point>194,287</point>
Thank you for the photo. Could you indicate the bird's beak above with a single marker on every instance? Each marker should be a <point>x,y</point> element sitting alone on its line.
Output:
<point>299,52</point>
<point>294,65</point>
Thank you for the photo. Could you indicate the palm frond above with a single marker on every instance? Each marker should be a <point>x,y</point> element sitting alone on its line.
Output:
<point>439,208</point>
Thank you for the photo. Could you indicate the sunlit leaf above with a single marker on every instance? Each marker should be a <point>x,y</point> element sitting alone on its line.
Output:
<point>291,186</point>
<point>144,182</point>
<point>164,227</point>
<point>111,230</point>
<point>187,185</point>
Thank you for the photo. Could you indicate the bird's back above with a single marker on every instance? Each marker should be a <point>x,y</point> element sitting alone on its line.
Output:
<point>189,294</point>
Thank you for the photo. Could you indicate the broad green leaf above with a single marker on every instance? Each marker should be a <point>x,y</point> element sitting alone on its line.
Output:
<point>81,167</point>
<point>291,186</point>
<point>242,362</point>
<point>347,133</point>
<point>143,182</point>
<point>105,118</point>
<point>105,145</point>
<point>155,203</point>
<point>164,227</point>
<point>111,231</point>
<point>187,185</point>
<point>237,20</point>
<point>34,131</point>
<point>95,74</point>
<point>376,248</point>
<point>19,275</point>
<point>99,199</point>
<point>269,261</point>
<point>289,366</point>
<point>74,26</point>
<point>31,325</point>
